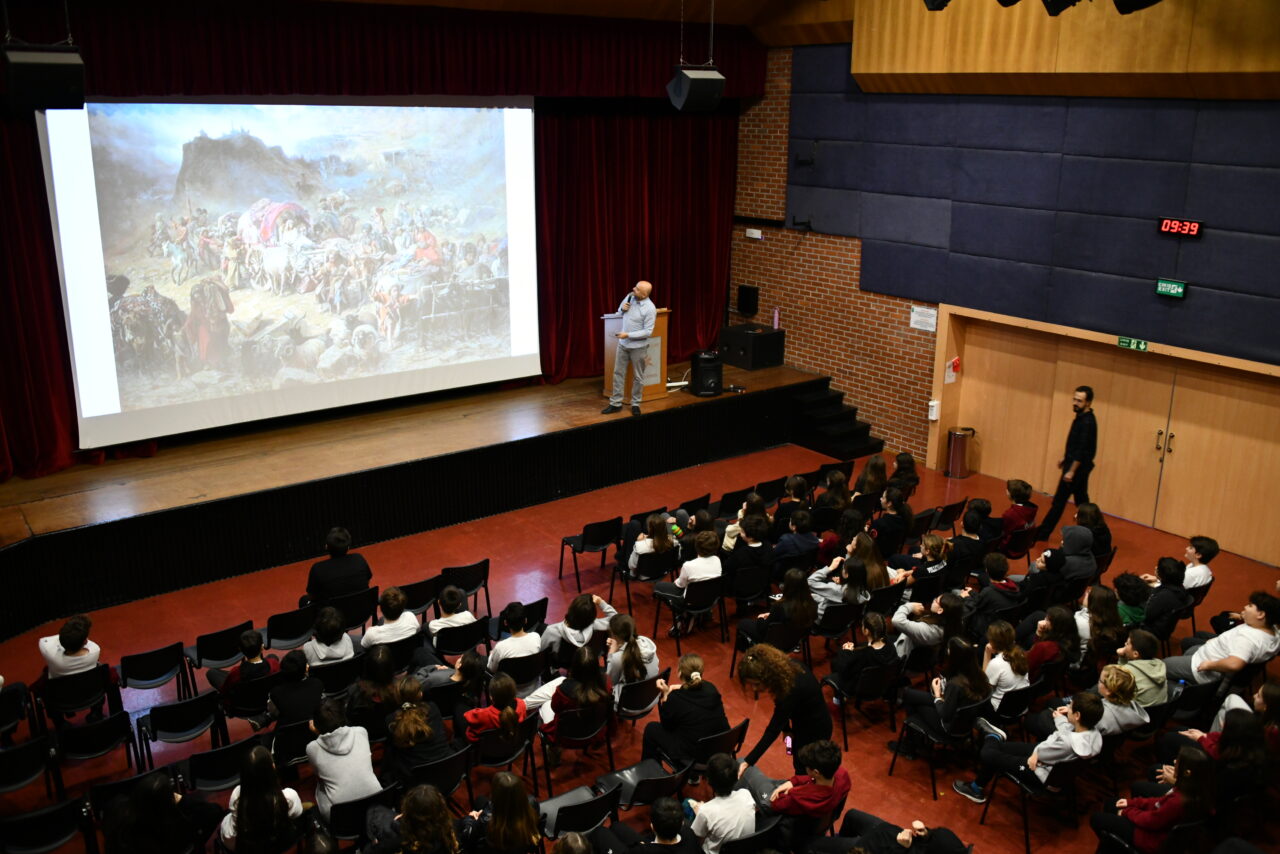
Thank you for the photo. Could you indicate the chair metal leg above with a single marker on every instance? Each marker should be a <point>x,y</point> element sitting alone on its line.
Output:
<point>577,575</point>
<point>897,748</point>
<point>991,796</point>
<point>933,773</point>
<point>844,722</point>
<point>1026,825</point>
<point>488,605</point>
<point>546,765</point>
<point>733,660</point>
<point>560,574</point>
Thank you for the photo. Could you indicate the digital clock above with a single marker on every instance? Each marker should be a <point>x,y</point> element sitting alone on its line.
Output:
<point>1180,227</point>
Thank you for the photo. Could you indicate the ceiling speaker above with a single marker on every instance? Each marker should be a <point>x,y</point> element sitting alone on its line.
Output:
<point>43,78</point>
<point>695,90</point>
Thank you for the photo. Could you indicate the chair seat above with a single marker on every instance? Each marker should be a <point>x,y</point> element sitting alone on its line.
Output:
<point>156,682</point>
<point>574,542</point>
<point>550,808</point>
<point>190,652</point>
<point>144,726</point>
<point>629,778</point>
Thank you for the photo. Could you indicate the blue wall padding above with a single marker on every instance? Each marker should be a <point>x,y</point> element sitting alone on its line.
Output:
<point>1109,244</point>
<point>907,219</point>
<point>1018,234</point>
<point>1048,208</point>
<point>1143,130</point>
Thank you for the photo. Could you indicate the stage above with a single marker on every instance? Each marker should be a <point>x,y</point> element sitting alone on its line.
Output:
<point>256,497</point>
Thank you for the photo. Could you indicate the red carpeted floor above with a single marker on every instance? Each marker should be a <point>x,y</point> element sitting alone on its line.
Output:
<point>524,550</point>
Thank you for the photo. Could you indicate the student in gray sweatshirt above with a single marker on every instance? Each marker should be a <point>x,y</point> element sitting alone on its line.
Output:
<point>341,758</point>
<point>1075,737</point>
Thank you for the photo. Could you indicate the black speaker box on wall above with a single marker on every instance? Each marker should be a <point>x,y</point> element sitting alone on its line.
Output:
<point>695,90</point>
<point>43,78</point>
<point>707,374</point>
<point>752,346</point>
<point>748,300</point>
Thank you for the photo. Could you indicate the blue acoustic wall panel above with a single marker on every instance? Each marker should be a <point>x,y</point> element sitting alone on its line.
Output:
<point>904,270</point>
<point>1018,234</point>
<point>1146,130</point>
<point>1048,208</point>
<point>907,219</point>
<point>1235,198</point>
<point>1016,178</point>
<point>994,284</point>
<point>1112,244</point>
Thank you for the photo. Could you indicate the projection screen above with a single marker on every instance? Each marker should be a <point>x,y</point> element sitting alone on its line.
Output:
<point>224,263</point>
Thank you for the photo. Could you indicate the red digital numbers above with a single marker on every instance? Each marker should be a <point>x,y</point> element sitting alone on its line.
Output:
<point>1183,227</point>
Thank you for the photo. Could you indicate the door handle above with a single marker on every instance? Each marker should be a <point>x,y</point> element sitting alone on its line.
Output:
<point>1159,436</point>
<point>1168,446</point>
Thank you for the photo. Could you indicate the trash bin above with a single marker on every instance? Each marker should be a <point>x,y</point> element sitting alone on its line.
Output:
<point>958,451</point>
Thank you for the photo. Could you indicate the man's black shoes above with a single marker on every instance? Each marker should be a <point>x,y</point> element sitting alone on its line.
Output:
<point>635,410</point>
<point>610,409</point>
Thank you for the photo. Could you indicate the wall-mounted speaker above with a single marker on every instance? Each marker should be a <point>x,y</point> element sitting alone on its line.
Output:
<point>748,300</point>
<point>695,90</point>
<point>43,78</point>
<point>707,374</point>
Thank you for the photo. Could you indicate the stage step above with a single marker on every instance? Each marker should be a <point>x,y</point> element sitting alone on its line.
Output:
<point>823,422</point>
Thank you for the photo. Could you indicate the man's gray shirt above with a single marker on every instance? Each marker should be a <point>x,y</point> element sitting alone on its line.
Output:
<point>637,323</point>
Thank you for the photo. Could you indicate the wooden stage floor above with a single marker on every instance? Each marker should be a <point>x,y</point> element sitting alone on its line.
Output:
<point>248,459</point>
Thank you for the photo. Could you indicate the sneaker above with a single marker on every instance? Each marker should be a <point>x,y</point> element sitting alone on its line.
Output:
<point>991,729</point>
<point>969,790</point>
<point>904,750</point>
<point>674,631</point>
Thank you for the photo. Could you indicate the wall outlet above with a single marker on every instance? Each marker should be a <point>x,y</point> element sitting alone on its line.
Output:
<point>754,234</point>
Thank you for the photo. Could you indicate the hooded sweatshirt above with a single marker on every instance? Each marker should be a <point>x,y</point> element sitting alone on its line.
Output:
<point>1152,683</point>
<point>1065,745</point>
<point>1117,718</point>
<point>323,653</point>
<point>1077,547</point>
<point>556,632</point>
<point>343,766</point>
<point>648,654</point>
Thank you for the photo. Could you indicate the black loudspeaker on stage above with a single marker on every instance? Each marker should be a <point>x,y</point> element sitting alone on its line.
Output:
<point>695,90</point>
<point>43,78</point>
<point>752,346</point>
<point>748,300</point>
<point>707,375</point>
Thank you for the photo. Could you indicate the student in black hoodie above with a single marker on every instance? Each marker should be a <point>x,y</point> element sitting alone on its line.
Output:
<point>1168,599</point>
<point>999,593</point>
<point>686,713</point>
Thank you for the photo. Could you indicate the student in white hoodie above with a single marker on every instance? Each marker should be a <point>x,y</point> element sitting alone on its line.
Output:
<point>1075,737</point>
<point>579,624</point>
<point>329,642</point>
<point>341,759</point>
<point>632,657</point>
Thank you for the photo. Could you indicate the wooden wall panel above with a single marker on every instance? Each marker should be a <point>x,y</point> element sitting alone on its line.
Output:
<point>1235,36</point>
<point>1093,38</point>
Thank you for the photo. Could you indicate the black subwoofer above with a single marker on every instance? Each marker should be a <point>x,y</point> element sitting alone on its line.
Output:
<point>752,346</point>
<point>707,375</point>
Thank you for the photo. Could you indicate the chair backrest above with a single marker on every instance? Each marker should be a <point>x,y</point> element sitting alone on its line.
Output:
<point>24,763</point>
<point>496,748</point>
<point>926,588</point>
<point>183,720</point>
<point>868,503</point>
<point>785,635</point>
<point>96,738</point>
<point>649,789</point>
<point>1019,543</point>
<point>346,820</point>
<point>46,829</point>
<point>290,629</point>
<point>581,726</point>
<point>1014,704</point>
<point>948,514</point>
<point>703,595</point>
<point>471,577</point>
<point>15,706</point>
<point>824,519</point>
<point>153,668</point>
<point>643,517</point>
<point>535,614</point>
<point>885,600</point>
<point>637,699</point>
<point>654,566</point>
<point>248,697</point>
<point>730,742</point>
<point>1198,594</point>
<point>837,619</point>
<point>598,536</point>
<point>219,769</point>
<point>289,743</point>
<point>356,608</point>
<point>588,815</point>
<point>402,650</point>
<point>455,640</point>
<point>731,502</point>
<point>875,682</point>
<point>755,842</point>
<point>446,697</point>
<point>446,773</point>
<point>338,676</point>
<point>421,595</point>
<point>922,523</point>
<point>103,795</point>
<point>693,505</point>
<point>221,648</point>
<point>922,659</point>
<point>76,692</point>
<point>962,723</point>
<point>771,490</point>
<point>524,669</point>
<point>845,467</point>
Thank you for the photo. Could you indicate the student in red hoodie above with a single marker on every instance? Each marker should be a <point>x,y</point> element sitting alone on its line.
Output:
<point>254,665</point>
<point>505,710</point>
<point>804,799</point>
<point>1145,823</point>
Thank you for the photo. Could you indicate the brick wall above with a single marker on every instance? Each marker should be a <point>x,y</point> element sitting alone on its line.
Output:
<point>862,340</point>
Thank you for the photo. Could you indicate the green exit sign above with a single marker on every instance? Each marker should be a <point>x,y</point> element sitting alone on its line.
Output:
<point>1132,344</point>
<point>1171,288</point>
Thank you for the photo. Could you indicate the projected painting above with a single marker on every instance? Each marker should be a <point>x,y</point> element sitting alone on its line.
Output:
<point>250,248</point>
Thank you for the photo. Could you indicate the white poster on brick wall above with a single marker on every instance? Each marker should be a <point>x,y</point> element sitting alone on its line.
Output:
<point>924,318</point>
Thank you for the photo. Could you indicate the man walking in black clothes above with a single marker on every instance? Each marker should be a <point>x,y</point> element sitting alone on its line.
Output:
<point>1076,462</point>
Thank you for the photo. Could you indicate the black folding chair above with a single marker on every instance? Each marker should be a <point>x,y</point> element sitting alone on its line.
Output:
<point>958,734</point>
<point>357,609</point>
<point>693,505</point>
<point>731,502</point>
<point>455,640</point>
<point>885,600</point>
<point>102,796</point>
<point>421,595</point>
<point>1060,787</point>
<point>218,770</point>
<point>147,670</point>
<point>1019,544</point>
<point>526,670</point>
<point>16,706</point>
<point>447,774</point>
<point>48,829</point>
<point>289,629</point>
<point>1198,595</point>
<point>949,514</point>
<point>346,820</point>
<point>402,650</point>
<point>873,684</point>
<point>651,567</point>
<point>645,782</point>
<point>838,619</point>
<point>496,749</point>
<point>638,699</point>
<point>23,764</point>
<point>248,697</point>
<point>98,738</point>
<point>757,841</point>
<point>771,490</point>
<point>579,811</point>
<point>182,721</point>
<point>782,635</point>
<point>824,519</point>
<point>535,620</point>
<point>289,743</point>
<point>470,579</point>
<point>868,504</point>
<point>595,537</point>
<point>701,597</point>
<point>579,729</point>
<point>217,650</point>
<point>338,676</point>
<point>730,741</point>
<point>68,695</point>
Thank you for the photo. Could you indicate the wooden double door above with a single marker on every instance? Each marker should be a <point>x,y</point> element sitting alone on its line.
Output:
<point>1186,447</point>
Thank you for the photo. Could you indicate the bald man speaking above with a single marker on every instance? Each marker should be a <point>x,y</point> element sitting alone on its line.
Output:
<point>638,317</point>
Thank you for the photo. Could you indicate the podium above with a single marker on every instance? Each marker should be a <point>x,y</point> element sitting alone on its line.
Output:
<point>655,371</point>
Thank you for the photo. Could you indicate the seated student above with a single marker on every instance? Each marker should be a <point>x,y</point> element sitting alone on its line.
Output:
<point>373,697</point>
<point>1146,822</point>
<point>518,644</point>
<point>753,506</point>
<point>1055,639</point>
<point>330,641</point>
<point>746,568</point>
<point>341,759</point>
<point>453,609</point>
<point>1239,752</point>
<point>339,574</point>
<point>800,543</point>
<point>1021,512</point>
<point>1079,564</point>
<point>873,478</point>
<point>253,666</point>
<point>1089,515</point>
<point>261,815</point>
<point>835,543</point>
<point>928,625</point>
<point>963,682</point>
<point>667,834</point>
<point>70,651</point>
<point>424,825</point>
<point>504,712</point>
<point>631,657</point>
<point>579,624</point>
<point>795,497</point>
<point>879,574</point>
<point>1167,599</point>
<point>999,593</point>
<point>704,567</point>
<point>793,607</point>
<point>1251,642</point>
<point>865,833</point>
<point>1120,712</point>
<point>928,562</point>
<point>904,475</point>
<point>1199,554</point>
<point>836,495</point>
<point>686,713</point>
<point>1099,625</point>
<point>655,539</point>
<point>1004,662</point>
<point>1265,703</point>
<point>417,734</point>
<point>851,660</point>
<point>688,528</point>
<point>1139,657</point>
<point>803,799</point>
<point>991,528</point>
<point>586,687</point>
<point>843,582</point>
<point>967,553</point>
<point>507,824</point>
<point>1133,594</point>
<point>1075,737</point>
<point>397,623</point>
<point>295,697</point>
<point>890,528</point>
<point>155,819</point>
<point>730,814</point>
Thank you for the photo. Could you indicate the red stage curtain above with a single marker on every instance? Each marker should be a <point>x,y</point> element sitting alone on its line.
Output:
<point>622,196</point>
